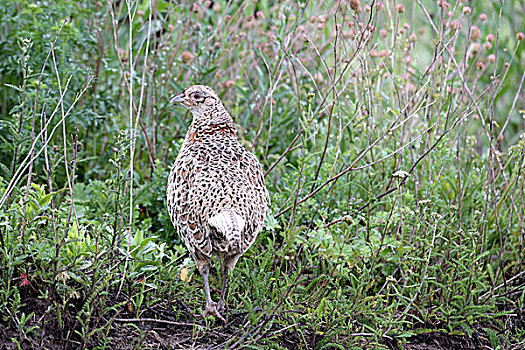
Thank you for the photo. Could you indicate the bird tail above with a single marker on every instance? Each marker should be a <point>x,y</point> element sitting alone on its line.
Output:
<point>230,224</point>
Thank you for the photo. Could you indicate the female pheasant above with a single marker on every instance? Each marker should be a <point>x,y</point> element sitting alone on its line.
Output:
<point>217,197</point>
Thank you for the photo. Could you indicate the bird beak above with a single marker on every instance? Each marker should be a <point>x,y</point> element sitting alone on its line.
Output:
<point>177,99</point>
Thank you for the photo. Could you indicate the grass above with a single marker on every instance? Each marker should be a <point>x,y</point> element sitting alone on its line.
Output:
<point>391,134</point>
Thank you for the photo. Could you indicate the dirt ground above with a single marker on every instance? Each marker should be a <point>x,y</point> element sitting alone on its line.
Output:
<point>153,335</point>
<point>159,336</point>
<point>149,333</point>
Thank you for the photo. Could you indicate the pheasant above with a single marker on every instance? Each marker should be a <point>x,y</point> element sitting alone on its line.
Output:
<point>217,197</point>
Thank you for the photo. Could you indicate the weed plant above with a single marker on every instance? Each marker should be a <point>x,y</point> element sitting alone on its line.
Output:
<point>391,133</point>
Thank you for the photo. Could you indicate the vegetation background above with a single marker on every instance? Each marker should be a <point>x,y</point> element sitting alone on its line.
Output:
<point>392,134</point>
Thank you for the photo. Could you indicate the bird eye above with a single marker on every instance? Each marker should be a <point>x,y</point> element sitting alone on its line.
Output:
<point>197,96</point>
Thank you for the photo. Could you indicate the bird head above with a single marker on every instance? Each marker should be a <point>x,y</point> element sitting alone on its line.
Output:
<point>197,98</point>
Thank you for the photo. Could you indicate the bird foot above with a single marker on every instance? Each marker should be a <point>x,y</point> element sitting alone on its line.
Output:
<point>211,310</point>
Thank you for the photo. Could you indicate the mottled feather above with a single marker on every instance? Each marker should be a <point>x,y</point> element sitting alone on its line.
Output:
<point>215,175</point>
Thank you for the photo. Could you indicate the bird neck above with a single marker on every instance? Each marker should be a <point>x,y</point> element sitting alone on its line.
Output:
<point>211,124</point>
<point>204,118</point>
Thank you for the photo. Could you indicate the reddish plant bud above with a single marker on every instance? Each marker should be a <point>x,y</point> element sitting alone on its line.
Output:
<point>186,57</point>
<point>473,50</point>
<point>228,84</point>
<point>475,33</point>
<point>443,4</point>
<point>455,24</point>
<point>354,5</point>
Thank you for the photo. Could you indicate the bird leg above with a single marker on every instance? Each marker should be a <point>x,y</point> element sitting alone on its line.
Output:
<point>211,306</point>
<point>227,266</point>
<point>225,274</point>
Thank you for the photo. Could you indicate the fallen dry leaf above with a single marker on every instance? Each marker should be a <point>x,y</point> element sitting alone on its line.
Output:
<point>184,274</point>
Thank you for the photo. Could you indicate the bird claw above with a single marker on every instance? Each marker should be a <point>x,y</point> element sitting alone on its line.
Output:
<point>211,310</point>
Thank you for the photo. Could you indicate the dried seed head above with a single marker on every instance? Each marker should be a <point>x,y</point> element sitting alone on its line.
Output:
<point>490,37</point>
<point>412,37</point>
<point>491,58</point>
<point>379,6</point>
<point>483,17</point>
<point>520,36</point>
<point>401,174</point>
<point>481,65</point>
<point>467,10</point>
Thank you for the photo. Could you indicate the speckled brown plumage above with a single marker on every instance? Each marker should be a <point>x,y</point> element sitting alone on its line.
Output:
<point>217,198</point>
